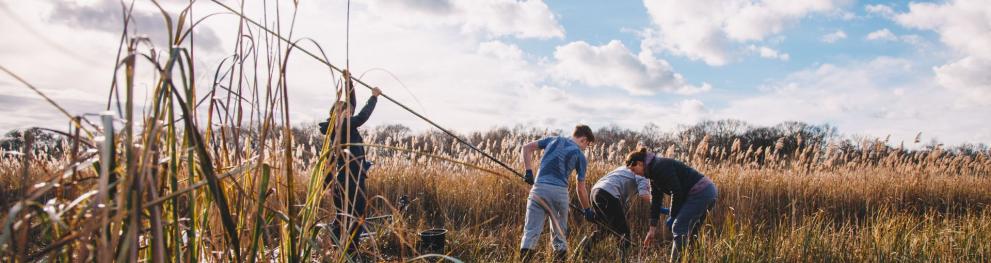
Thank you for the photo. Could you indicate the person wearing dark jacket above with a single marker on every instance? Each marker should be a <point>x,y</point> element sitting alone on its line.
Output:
<point>351,165</point>
<point>692,195</point>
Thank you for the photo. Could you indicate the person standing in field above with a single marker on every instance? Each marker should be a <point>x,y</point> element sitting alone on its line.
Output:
<point>351,166</point>
<point>548,197</point>
<point>692,195</point>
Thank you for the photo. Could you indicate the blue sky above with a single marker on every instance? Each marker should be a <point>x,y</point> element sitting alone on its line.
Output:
<point>599,22</point>
<point>874,68</point>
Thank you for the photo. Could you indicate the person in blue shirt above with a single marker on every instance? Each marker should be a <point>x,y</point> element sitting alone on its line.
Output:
<point>352,168</point>
<point>548,197</point>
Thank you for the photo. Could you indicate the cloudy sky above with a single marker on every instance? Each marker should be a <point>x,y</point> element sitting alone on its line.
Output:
<point>873,68</point>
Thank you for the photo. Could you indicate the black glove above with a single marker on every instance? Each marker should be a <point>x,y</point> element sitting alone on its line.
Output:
<point>589,215</point>
<point>528,177</point>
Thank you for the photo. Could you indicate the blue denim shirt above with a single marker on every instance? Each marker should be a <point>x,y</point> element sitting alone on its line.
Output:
<point>561,156</point>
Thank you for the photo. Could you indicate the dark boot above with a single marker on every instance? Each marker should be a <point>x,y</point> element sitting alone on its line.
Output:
<point>526,255</point>
<point>560,256</point>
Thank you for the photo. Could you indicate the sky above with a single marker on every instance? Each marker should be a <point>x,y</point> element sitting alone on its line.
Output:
<point>870,68</point>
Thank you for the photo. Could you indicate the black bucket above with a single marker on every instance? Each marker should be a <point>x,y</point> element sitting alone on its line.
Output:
<point>432,240</point>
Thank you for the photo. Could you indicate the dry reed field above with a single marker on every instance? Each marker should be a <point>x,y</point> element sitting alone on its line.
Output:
<point>231,179</point>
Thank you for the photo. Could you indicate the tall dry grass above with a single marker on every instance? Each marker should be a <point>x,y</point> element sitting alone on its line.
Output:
<point>785,211</point>
<point>213,172</point>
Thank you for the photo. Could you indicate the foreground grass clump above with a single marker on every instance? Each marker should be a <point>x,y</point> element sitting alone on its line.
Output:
<point>213,171</point>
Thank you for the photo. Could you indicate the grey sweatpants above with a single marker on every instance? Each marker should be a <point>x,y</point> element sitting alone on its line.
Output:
<point>556,200</point>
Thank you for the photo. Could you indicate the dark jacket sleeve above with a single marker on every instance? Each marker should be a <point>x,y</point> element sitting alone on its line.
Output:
<point>365,113</point>
<point>349,86</point>
<point>678,194</point>
<point>656,202</point>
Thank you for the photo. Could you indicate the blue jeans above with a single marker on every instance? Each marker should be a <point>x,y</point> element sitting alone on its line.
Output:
<point>556,200</point>
<point>691,217</point>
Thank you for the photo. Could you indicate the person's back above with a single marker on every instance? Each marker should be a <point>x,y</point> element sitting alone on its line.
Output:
<point>623,184</point>
<point>348,134</point>
<point>561,156</point>
<point>346,130</point>
<point>666,169</point>
<point>610,196</point>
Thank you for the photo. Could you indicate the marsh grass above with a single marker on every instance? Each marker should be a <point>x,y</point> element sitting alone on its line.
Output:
<point>214,172</point>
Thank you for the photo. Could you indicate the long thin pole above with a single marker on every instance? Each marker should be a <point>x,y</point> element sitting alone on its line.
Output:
<point>321,60</point>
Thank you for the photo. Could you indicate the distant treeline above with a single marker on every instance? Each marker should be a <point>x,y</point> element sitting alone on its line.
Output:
<point>785,139</point>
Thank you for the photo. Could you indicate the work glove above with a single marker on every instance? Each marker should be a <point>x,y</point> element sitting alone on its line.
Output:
<point>528,177</point>
<point>589,214</point>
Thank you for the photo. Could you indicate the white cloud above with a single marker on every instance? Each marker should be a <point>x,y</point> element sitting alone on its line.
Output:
<point>962,24</point>
<point>881,35</point>
<point>613,65</point>
<point>755,20</point>
<point>57,59</point>
<point>884,96</point>
<point>435,65</point>
<point>880,9</point>
<point>885,35</point>
<point>692,106</point>
<point>708,30</point>
<point>105,16</point>
<point>457,74</point>
<point>833,37</point>
<point>913,39</point>
<point>500,50</point>
<point>549,106</point>
<point>769,53</point>
<point>521,19</point>
<point>965,27</point>
<point>970,76</point>
<point>842,15</point>
<point>475,77</point>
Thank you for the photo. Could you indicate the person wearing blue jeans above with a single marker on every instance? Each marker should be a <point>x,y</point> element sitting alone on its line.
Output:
<point>351,166</point>
<point>692,195</point>
<point>548,197</point>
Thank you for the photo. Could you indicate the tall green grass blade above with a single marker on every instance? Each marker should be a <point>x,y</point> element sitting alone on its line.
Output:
<point>207,170</point>
<point>260,214</point>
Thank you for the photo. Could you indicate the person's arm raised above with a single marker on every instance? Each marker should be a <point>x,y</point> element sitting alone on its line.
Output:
<point>366,111</point>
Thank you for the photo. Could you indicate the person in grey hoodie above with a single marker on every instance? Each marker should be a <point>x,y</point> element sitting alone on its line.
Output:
<point>610,197</point>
